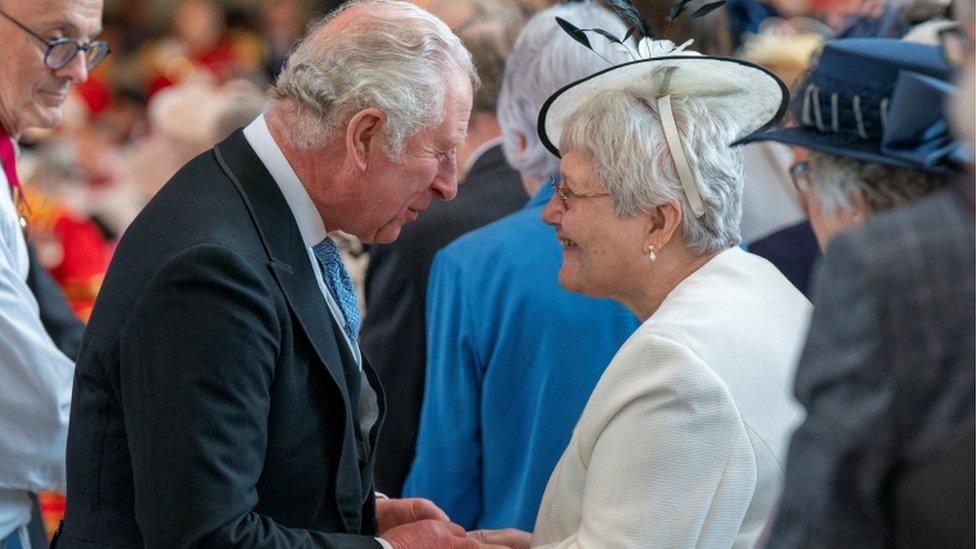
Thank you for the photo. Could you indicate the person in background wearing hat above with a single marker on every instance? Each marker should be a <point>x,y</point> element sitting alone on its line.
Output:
<point>682,442</point>
<point>885,456</point>
<point>870,131</point>
<point>47,47</point>
<point>512,357</point>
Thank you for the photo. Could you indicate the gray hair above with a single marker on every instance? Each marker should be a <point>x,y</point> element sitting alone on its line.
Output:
<point>619,133</point>
<point>544,60</point>
<point>391,56</point>
<point>835,179</point>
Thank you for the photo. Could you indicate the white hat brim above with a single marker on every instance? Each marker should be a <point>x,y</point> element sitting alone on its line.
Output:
<point>757,98</point>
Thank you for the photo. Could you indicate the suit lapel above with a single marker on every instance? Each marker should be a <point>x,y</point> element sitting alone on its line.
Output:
<point>290,264</point>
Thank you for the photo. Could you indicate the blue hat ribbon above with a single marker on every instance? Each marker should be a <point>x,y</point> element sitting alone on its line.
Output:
<point>916,130</point>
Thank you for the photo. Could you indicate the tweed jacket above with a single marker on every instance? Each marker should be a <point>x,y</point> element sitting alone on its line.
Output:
<point>887,376</point>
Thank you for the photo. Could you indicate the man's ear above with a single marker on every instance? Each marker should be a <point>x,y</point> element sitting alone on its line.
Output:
<point>663,222</point>
<point>363,135</point>
<point>522,143</point>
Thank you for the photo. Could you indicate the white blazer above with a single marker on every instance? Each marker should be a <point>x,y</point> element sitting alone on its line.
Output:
<point>683,441</point>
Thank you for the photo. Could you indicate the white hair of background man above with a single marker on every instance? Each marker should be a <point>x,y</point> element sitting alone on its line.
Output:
<point>394,56</point>
<point>837,179</point>
<point>544,60</point>
<point>619,133</point>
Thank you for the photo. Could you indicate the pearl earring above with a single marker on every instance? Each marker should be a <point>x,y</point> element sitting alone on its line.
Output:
<point>650,253</point>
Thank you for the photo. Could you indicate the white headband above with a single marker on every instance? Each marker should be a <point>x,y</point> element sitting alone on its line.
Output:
<point>685,174</point>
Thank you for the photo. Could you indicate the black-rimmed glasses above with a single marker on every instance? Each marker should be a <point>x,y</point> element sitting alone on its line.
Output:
<point>800,172</point>
<point>61,51</point>
<point>564,193</point>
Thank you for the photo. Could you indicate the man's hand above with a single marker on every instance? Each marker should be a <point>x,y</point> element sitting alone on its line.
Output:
<point>429,534</point>
<point>391,513</point>
<point>509,537</point>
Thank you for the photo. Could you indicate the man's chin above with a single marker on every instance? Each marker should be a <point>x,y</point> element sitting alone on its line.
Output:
<point>44,118</point>
<point>384,235</point>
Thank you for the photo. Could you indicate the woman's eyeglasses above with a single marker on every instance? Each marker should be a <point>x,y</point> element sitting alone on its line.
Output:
<point>61,51</point>
<point>565,194</point>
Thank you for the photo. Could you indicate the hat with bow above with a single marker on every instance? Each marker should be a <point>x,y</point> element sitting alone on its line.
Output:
<point>878,100</point>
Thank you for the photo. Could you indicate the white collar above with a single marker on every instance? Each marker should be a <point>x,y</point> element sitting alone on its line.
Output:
<point>307,216</point>
<point>481,150</point>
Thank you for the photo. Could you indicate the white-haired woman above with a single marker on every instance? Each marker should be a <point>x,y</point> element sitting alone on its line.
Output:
<point>683,440</point>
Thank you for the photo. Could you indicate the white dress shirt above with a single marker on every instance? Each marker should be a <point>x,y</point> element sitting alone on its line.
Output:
<point>310,223</point>
<point>35,383</point>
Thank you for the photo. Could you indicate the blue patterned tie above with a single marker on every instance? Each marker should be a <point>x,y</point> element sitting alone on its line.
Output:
<point>338,282</point>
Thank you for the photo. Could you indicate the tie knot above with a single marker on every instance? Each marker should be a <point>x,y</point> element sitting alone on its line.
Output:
<point>326,251</point>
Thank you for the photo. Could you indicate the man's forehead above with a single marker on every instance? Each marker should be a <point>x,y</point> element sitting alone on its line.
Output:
<point>78,15</point>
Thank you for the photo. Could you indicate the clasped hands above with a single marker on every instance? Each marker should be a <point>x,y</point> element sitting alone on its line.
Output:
<point>418,523</point>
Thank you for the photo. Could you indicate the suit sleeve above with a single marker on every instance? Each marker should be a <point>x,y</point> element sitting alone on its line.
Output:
<point>198,356</point>
<point>447,467</point>
<point>837,465</point>
<point>664,456</point>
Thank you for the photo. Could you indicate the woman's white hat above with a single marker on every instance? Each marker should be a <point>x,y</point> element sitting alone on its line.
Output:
<point>755,96</point>
<point>759,98</point>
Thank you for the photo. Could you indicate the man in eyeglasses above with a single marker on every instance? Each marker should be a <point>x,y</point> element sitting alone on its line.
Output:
<point>46,47</point>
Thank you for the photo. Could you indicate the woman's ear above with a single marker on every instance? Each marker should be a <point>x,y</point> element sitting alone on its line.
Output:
<point>363,135</point>
<point>663,222</point>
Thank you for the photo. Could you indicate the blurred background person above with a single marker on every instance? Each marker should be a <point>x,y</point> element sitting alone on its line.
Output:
<point>885,457</point>
<point>393,332</point>
<point>35,393</point>
<point>871,131</point>
<point>282,24</point>
<point>511,356</point>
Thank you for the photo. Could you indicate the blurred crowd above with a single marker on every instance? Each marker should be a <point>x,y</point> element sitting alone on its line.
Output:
<point>167,94</point>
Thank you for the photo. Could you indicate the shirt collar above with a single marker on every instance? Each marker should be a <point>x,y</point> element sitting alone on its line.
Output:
<point>480,151</point>
<point>309,221</point>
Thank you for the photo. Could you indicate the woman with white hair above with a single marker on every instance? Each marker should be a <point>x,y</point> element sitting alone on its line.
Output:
<point>683,440</point>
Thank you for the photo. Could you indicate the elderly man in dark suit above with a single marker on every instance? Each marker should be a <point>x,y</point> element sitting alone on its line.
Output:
<point>221,399</point>
<point>396,279</point>
<point>885,455</point>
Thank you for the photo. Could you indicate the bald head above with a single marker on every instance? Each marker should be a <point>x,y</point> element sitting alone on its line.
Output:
<point>31,94</point>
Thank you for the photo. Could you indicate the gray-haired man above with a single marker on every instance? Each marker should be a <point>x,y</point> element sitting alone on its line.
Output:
<point>221,399</point>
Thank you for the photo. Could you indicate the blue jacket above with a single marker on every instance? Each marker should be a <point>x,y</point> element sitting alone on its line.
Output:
<point>512,359</point>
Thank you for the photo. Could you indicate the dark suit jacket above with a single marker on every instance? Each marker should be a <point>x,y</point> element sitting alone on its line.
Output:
<point>393,334</point>
<point>57,317</point>
<point>889,384</point>
<point>213,403</point>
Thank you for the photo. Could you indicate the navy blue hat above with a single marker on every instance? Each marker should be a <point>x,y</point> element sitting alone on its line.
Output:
<point>877,100</point>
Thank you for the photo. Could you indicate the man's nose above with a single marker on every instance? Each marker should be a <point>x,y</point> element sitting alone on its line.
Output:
<point>76,70</point>
<point>445,184</point>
